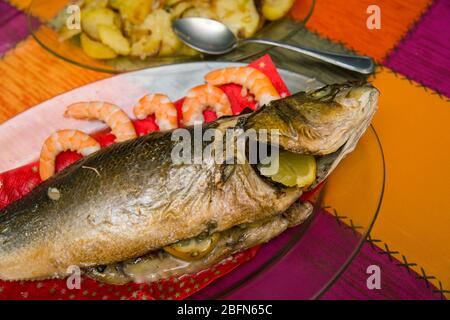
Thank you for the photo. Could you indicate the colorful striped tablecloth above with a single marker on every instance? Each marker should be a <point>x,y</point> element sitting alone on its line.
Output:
<point>411,238</point>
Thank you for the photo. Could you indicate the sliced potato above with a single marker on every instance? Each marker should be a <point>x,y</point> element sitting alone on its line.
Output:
<point>187,51</point>
<point>147,46</point>
<point>117,21</point>
<point>113,38</point>
<point>91,18</point>
<point>156,22</point>
<point>170,3</point>
<point>276,9</point>
<point>240,16</point>
<point>179,8</point>
<point>192,8</point>
<point>158,4</point>
<point>201,9</point>
<point>134,32</point>
<point>114,4</point>
<point>160,24</point>
<point>95,49</point>
<point>143,28</point>
<point>135,10</point>
<point>66,33</point>
<point>170,45</point>
<point>94,4</point>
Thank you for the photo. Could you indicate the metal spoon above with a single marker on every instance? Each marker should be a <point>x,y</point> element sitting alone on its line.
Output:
<point>213,37</point>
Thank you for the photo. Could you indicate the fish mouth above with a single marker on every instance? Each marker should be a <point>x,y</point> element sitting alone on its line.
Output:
<point>318,122</point>
<point>346,108</point>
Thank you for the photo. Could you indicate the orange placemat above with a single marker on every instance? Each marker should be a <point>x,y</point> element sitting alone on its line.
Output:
<point>411,122</point>
<point>345,21</point>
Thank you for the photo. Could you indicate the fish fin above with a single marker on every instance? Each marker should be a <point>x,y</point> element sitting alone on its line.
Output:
<point>298,213</point>
<point>247,110</point>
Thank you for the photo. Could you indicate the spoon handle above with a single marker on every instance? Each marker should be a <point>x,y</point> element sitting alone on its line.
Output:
<point>361,64</point>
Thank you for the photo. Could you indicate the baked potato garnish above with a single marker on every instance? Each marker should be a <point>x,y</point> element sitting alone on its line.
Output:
<point>95,49</point>
<point>113,38</point>
<point>276,9</point>
<point>240,16</point>
<point>92,18</point>
<point>143,28</point>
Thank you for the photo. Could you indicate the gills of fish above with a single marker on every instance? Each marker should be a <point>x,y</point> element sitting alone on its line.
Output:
<point>116,209</point>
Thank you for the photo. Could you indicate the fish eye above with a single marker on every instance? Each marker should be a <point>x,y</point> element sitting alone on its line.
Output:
<point>101,268</point>
<point>321,93</point>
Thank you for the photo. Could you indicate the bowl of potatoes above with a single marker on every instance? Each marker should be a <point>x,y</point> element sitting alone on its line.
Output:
<point>124,35</point>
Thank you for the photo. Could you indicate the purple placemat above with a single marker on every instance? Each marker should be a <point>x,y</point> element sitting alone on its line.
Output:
<point>13,26</point>
<point>326,238</point>
<point>424,55</point>
<point>397,280</point>
<point>311,263</point>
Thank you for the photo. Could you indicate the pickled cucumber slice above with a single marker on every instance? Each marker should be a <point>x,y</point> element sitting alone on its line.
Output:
<point>92,18</point>
<point>95,49</point>
<point>193,249</point>
<point>293,169</point>
<point>113,38</point>
<point>276,9</point>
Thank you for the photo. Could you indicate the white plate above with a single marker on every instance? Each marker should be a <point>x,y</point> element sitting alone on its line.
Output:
<point>21,137</point>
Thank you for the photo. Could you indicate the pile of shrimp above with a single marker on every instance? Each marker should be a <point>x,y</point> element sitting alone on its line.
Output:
<point>198,99</point>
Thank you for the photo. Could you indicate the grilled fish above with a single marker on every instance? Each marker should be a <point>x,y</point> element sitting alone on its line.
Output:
<point>117,209</point>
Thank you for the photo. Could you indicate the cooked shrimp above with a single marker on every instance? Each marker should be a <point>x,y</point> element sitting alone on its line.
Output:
<point>121,126</point>
<point>161,106</point>
<point>252,79</point>
<point>201,97</point>
<point>60,141</point>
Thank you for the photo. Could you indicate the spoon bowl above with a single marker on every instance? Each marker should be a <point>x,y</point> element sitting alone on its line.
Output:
<point>205,35</point>
<point>215,38</point>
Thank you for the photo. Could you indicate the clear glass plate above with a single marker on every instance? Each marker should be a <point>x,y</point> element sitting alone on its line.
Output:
<point>303,262</point>
<point>47,37</point>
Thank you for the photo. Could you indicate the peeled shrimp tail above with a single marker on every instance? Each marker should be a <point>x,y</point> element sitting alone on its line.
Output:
<point>64,140</point>
<point>121,125</point>
<point>163,109</point>
<point>202,97</point>
<point>252,79</point>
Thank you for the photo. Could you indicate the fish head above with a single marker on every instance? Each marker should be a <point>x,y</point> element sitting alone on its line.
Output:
<point>326,123</point>
<point>321,121</point>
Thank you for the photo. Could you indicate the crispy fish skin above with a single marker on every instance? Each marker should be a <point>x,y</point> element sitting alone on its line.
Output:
<point>161,265</point>
<point>136,200</point>
<point>130,198</point>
